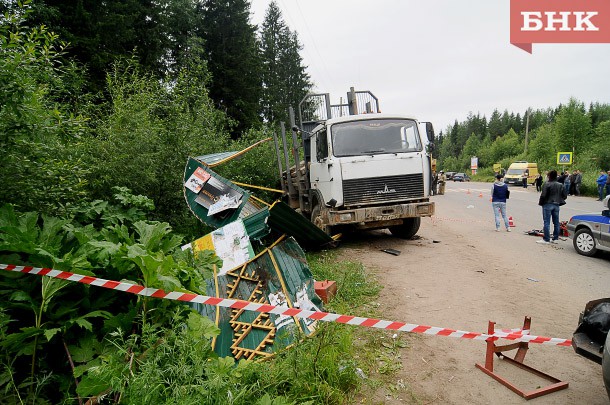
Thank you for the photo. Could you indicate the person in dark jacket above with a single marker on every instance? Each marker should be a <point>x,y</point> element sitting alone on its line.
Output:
<point>553,195</point>
<point>499,194</point>
<point>538,182</point>
<point>577,182</point>
<point>567,181</point>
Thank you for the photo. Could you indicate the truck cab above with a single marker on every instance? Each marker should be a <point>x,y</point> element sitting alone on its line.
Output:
<point>363,171</point>
<point>370,171</point>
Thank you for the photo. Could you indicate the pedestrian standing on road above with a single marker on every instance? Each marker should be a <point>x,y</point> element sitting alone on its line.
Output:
<point>441,182</point>
<point>601,183</point>
<point>572,190</point>
<point>538,182</point>
<point>567,182</point>
<point>434,184</point>
<point>577,182</point>
<point>499,195</point>
<point>607,185</point>
<point>553,196</point>
<point>526,174</point>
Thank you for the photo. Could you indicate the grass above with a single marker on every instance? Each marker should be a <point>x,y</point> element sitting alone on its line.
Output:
<point>375,354</point>
<point>339,364</point>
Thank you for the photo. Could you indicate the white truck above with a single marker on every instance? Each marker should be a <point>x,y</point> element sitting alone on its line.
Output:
<point>360,170</point>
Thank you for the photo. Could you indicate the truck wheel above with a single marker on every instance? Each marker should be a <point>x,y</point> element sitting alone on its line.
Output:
<point>316,219</point>
<point>584,242</point>
<point>408,229</point>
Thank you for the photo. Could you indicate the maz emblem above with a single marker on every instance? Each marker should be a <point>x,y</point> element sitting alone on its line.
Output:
<point>386,190</point>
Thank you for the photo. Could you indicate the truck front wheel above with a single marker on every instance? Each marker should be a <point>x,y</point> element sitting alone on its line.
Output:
<point>408,229</point>
<point>316,219</point>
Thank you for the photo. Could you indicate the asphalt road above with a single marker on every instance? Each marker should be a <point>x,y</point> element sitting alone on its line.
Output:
<point>522,204</point>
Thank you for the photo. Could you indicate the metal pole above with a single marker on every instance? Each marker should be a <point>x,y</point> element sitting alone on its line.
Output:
<point>297,168</point>
<point>353,102</point>
<point>279,159</point>
<point>527,127</point>
<point>291,190</point>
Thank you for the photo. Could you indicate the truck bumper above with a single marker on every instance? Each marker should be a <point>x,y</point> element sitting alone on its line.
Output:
<point>380,217</point>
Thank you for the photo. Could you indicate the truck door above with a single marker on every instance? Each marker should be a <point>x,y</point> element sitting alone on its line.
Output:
<point>320,170</point>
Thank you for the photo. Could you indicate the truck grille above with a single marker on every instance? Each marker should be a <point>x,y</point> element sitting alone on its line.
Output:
<point>375,190</point>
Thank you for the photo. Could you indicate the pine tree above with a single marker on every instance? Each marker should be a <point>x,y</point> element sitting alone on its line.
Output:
<point>234,61</point>
<point>285,80</point>
<point>99,32</point>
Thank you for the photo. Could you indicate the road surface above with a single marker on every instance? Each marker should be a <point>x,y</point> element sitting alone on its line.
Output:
<point>460,273</point>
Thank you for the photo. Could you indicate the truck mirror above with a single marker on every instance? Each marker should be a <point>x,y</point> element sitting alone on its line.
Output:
<point>430,131</point>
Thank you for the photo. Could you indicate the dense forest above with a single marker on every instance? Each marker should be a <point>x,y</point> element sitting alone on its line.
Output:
<point>101,103</point>
<point>534,136</point>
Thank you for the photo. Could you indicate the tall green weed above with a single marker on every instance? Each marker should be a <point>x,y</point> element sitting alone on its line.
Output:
<point>51,320</point>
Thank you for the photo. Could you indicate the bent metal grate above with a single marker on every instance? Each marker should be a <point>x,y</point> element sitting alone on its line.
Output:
<point>375,190</point>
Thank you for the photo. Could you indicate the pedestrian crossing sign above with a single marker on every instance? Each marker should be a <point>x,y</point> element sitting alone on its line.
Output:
<point>564,158</point>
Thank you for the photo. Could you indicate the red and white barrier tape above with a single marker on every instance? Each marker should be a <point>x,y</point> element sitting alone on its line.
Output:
<point>515,335</point>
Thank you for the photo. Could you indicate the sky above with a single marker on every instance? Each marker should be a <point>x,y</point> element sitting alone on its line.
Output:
<point>438,60</point>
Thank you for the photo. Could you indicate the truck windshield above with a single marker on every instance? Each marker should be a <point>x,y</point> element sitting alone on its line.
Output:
<point>515,171</point>
<point>376,136</point>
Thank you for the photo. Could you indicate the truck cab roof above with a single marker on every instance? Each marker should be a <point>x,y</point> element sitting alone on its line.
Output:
<point>362,117</point>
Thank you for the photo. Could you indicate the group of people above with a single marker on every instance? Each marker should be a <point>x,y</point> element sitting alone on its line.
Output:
<point>571,181</point>
<point>553,194</point>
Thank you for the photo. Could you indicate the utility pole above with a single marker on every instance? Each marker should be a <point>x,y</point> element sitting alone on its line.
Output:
<point>527,128</point>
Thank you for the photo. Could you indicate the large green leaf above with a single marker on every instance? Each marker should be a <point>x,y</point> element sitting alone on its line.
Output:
<point>51,234</point>
<point>201,327</point>
<point>21,296</point>
<point>49,333</point>
<point>92,385</point>
<point>82,234</point>
<point>152,235</point>
<point>84,323</point>
<point>105,249</point>
<point>50,288</point>
<point>22,342</point>
<point>86,349</point>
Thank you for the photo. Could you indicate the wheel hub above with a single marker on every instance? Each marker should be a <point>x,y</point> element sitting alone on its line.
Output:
<point>585,242</point>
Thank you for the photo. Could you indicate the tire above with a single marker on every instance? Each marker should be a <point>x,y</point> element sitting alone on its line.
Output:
<point>316,219</point>
<point>408,229</point>
<point>584,242</point>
